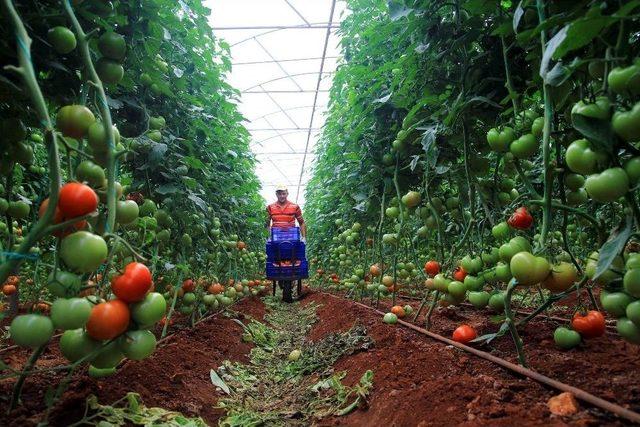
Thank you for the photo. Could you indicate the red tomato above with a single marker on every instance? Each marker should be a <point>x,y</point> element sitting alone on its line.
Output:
<point>464,334</point>
<point>77,199</point>
<point>108,320</point>
<point>432,267</point>
<point>520,219</point>
<point>188,285</point>
<point>591,325</point>
<point>459,274</point>
<point>398,311</point>
<point>58,217</point>
<point>134,284</point>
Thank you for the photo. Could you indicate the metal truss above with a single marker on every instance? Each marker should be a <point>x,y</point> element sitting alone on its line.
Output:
<point>280,132</point>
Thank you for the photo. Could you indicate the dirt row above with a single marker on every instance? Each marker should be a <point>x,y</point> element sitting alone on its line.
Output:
<point>417,381</point>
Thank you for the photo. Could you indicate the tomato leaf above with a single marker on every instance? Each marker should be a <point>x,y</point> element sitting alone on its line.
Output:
<point>397,10</point>
<point>552,46</point>
<point>613,247</point>
<point>597,131</point>
<point>517,16</point>
<point>580,33</point>
<point>429,144</point>
<point>218,382</point>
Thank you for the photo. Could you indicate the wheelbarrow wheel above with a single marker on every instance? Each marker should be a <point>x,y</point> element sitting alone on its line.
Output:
<point>287,291</point>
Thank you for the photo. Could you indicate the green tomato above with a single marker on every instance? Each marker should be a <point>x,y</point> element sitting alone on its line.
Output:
<point>632,168</point>
<point>62,39</point>
<point>440,282</point>
<point>71,313</point>
<point>31,330</point>
<point>565,338</point>
<point>537,127</point>
<point>524,147</point>
<point>528,269</point>
<point>112,45</point>
<point>625,80</point>
<point>628,330</point>
<point>479,299</point>
<point>64,284</point>
<point>501,231</point>
<point>573,181</point>
<point>499,140</point>
<point>150,310</point>
<point>615,303</point>
<point>76,344</point>
<point>126,211</point>
<point>633,312</point>
<point>138,345</point>
<point>89,172</point>
<point>626,124</point>
<point>576,198</point>
<point>109,357</point>
<point>473,283</point>
<point>457,289</point>
<point>110,72</point>
<point>390,319</point>
<point>632,261</point>
<point>496,302</point>
<point>157,123</point>
<point>97,137</point>
<point>190,298</point>
<point>148,208</point>
<point>18,210</point>
<point>582,159</point>
<point>631,282</point>
<point>83,251</point>
<point>607,186</point>
<point>503,272</point>
<point>490,258</point>
<point>600,110</point>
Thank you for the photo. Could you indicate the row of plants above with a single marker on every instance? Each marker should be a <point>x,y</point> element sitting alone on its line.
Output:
<point>128,187</point>
<point>488,151</point>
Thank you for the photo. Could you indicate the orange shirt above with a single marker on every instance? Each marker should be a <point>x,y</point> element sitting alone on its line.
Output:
<point>283,216</point>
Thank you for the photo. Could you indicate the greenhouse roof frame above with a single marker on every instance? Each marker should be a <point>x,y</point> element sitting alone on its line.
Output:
<point>284,83</point>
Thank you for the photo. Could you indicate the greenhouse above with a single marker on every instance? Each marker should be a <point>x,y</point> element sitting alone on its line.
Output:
<point>319,212</point>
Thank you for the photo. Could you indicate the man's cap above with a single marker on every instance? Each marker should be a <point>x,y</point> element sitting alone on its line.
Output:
<point>281,187</point>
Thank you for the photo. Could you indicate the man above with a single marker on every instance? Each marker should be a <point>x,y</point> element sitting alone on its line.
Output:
<point>283,213</point>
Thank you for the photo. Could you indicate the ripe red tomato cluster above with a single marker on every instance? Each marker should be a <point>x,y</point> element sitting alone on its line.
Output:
<point>432,267</point>
<point>521,219</point>
<point>134,284</point>
<point>590,325</point>
<point>464,334</point>
<point>459,274</point>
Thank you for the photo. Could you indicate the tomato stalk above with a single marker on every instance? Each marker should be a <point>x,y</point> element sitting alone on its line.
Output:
<point>27,73</point>
<point>546,134</point>
<point>549,301</point>
<point>427,321</point>
<point>401,208</point>
<point>17,388</point>
<point>513,95</point>
<point>510,321</point>
<point>94,79</point>
<point>436,216</point>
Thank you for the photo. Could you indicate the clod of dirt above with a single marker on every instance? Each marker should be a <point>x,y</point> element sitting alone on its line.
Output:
<point>563,404</point>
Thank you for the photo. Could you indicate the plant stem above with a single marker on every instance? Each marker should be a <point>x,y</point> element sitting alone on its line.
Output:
<point>27,73</point>
<point>511,323</point>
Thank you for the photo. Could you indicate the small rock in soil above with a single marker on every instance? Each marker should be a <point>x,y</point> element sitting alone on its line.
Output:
<point>563,404</point>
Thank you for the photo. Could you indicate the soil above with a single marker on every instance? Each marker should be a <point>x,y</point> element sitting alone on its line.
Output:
<point>417,381</point>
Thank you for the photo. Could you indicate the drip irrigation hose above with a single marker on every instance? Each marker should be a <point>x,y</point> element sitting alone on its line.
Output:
<point>543,379</point>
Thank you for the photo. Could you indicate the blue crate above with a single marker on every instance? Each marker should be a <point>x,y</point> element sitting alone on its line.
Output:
<point>288,272</point>
<point>281,234</point>
<point>285,250</point>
